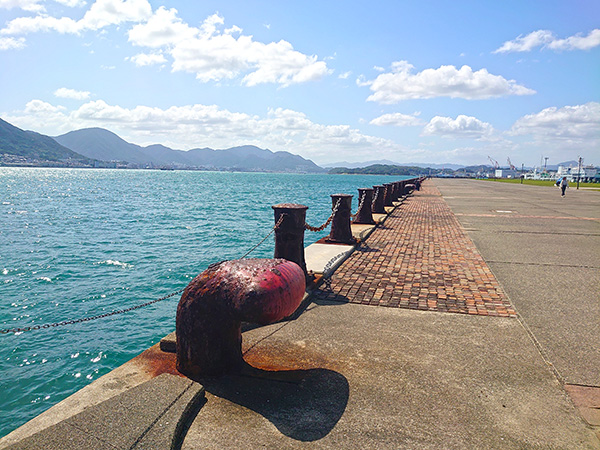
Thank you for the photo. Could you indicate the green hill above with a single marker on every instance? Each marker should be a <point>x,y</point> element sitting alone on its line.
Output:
<point>34,146</point>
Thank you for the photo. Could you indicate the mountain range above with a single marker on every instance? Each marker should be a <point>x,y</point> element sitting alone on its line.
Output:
<point>33,146</point>
<point>92,146</point>
<point>101,144</point>
<point>387,162</point>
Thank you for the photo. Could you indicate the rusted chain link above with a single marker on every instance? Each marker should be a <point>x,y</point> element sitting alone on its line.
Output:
<point>360,205</point>
<point>87,319</point>
<point>322,227</point>
<point>265,238</point>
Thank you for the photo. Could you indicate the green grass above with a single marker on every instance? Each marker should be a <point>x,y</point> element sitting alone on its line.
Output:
<point>543,182</point>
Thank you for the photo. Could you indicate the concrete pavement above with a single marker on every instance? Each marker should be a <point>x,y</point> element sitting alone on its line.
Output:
<point>347,375</point>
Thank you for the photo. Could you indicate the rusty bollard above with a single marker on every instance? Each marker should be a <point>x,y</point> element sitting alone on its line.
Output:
<point>378,199</point>
<point>365,199</point>
<point>289,235</point>
<point>397,192</point>
<point>387,199</point>
<point>408,188</point>
<point>340,225</point>
<point>213,305</point>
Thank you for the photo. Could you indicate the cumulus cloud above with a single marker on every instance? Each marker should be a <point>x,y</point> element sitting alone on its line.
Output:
<point>547,39</point>
<point>447,81</point>
<point>397,120</point>
<point>26,5</point>
<point>461,127</point>
<point>214,54</point>
<point>10,43</point>
<point>193,126</point>
<point>72,94</point>
<point>580,122</point>
<point>101,14</point>
<point>147,59</point>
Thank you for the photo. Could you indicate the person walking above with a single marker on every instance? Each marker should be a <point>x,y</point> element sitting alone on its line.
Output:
<point>564,184</point>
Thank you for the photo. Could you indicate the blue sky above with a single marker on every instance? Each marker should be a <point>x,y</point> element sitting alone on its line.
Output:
<point>407,81</point>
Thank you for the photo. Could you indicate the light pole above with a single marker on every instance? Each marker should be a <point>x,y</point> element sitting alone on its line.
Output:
<point>579,171</point>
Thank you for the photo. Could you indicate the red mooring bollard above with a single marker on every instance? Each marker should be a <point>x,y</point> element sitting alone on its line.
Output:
<point>213,305</point>
<point>289,235</point>
<point>365,199</point>
<point>341,232</point>
<point>378,199</point>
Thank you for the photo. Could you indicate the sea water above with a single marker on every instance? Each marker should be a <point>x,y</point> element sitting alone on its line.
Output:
<point>81,242</point>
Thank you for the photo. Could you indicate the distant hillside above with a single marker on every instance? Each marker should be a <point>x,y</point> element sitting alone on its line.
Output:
<point>386,162</point>
<point>31,146</point>
<point>104,145</point>
<point>381,169</point>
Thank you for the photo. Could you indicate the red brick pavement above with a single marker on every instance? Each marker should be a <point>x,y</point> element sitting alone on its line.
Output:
<point>420,259</point>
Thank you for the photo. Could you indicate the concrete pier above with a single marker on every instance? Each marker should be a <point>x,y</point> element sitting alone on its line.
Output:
<point>466,320</point>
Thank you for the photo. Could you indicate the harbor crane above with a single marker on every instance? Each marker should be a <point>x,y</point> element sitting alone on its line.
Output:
<point>510,164</point>
<point>494,162</point>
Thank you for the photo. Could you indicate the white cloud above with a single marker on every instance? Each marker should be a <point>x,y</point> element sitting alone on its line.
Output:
<point>211,52</point>
<point>580,122</point>
<point>547,39</point>
<point>447,81</point>
<point>10,43</point>
<point>215,55</point>
<point>461,127</point>
<point>194,126</point>
<point>72,94</point>
<point>71,3</point>
<point>163,28</point>
<point>147,59</point>
<point>526,43</point>
<point>26,5</point>
<point>101,14</point>
<point>577,42</point>
<point>397,120</point>
<point>345,75</point>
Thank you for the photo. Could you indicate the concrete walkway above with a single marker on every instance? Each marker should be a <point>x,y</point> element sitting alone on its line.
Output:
<point>439,334</point>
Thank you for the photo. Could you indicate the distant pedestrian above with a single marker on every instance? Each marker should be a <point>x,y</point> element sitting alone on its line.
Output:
<point>564,184</point>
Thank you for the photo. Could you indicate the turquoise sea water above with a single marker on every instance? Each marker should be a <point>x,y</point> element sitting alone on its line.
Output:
<point>77,243</point>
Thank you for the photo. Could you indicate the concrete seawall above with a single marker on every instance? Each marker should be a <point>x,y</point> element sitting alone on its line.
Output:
<point>467,319</point>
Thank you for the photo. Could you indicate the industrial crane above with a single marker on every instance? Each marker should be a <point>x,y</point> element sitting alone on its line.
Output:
<point>494,162</point>
<point>510,164</point>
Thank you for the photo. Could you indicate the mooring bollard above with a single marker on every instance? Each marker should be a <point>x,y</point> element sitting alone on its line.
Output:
<point>378,199</point>
<point>387,199</point>
<point>213,305</point>
<point>365,199</point>
<point>408,188</point>
<point>289,235</point>
<point>340,225</point>
<point>397,193</point>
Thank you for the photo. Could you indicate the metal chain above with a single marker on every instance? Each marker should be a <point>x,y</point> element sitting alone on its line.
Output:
<point>87,319</point>
<point>360,205</point>
<point>322,227</point>
<point>265,238</point>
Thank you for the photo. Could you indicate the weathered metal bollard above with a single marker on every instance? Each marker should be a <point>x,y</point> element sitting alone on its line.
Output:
<point>387,199</point>
<point>340,225</point>
<point>396,193</point>
<point>365,199</point>
<point>408,188</point>
<point>289,235</point>
<point>378,199</point>
<point>213,305</point>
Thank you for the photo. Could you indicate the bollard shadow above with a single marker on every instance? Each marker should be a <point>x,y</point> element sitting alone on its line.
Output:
<point>303,404</point>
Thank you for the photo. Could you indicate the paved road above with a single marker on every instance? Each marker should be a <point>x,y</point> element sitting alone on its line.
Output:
<point>545,251</point>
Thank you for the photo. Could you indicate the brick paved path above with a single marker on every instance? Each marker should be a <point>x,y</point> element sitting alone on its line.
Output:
<point>420,259</point>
